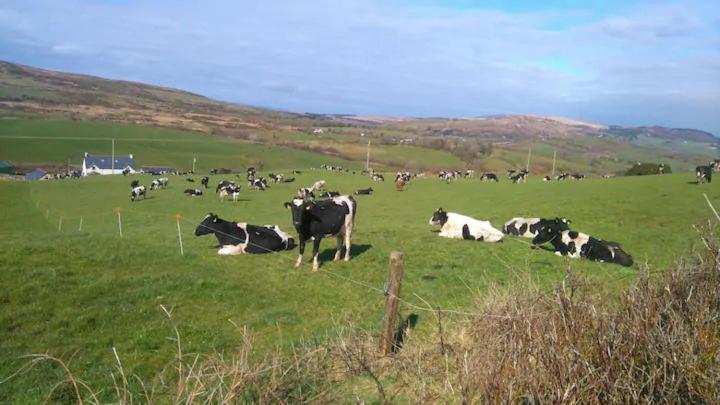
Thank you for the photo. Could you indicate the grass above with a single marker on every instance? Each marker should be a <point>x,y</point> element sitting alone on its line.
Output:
<point>83,293</point>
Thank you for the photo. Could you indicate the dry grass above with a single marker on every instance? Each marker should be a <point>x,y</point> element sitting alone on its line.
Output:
<point>657,343</point>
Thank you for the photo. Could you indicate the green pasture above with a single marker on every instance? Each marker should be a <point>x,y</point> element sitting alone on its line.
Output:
<point>81,293</point>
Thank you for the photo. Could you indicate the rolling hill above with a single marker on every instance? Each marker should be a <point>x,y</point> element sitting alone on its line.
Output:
<point>485,143</point>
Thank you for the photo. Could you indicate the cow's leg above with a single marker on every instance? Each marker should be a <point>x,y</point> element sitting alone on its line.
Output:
<point>316,248</point>
<point>348,237</point>
<point>302,250</point>
<point>339,238</point>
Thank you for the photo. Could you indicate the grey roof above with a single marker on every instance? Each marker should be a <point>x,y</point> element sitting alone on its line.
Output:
<point>36,174</point>
<point>105,162</point>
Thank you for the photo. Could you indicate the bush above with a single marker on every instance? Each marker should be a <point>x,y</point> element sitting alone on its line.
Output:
<point>644,169</point>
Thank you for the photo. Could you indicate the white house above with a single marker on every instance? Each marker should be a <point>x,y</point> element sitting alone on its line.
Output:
<point>104,165</point>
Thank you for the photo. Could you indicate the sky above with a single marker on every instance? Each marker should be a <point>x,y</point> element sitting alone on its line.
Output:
<point>614,62</point>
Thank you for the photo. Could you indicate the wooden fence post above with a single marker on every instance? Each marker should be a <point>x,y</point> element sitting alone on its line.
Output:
<point>391,303</point>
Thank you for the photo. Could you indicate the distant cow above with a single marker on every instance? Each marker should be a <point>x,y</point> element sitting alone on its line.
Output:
<point>520,177</point>
<point>547,178</point>
<point>193,192</point>
<point>224,184</point>
<point>260,184</point>
<point>159,183</point>
<point>400,184</point>
<point>276,178</point>
<point>329,194</point>
<point>378,177</point>
<point>318,219</point>
<point>318,185</point>
<point>305,193</point>
<point>704,174</point>
<point>364,191</point>
<point>138,192</point>
<point>562,176</point>
<point>237,238</point>
<point>190,180</point>
<point>576,244</point>
<point>576,176</point>
<point>288,180</point>
<point>530,227</point>
<point>489,177</point>
<point>205,181</point>
<point>233,191</point>
<point>457,226</point>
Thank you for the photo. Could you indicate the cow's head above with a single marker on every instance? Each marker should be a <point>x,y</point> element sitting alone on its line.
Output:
<point>298,207</point>
<point>208,225</point>
<point>551,230</point>
<point>439,217</point>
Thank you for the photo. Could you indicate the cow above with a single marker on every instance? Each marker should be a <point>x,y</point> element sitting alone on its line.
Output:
<point>296,172</point>
<point>562,176</point>
<point>457,226</point>
<point>238,238</point>
<point>378,177</point>
<point>192,192</point>
<point>288,180</point>
<point>577,176</point>
<point>233,191</point>
<point>329,194</point>
<point>134,183</point>
<point>364,191</point>
<point>318,185</point>
<point>224,184</point>
<point>190,180</point>
<point>205,181</point>
<point>318,219</point>
<point>260,184</point>
<point>510,172</point>
<point>547,178</point>
<point>305,193</point>
<point>576,245</point>
<point>489,177</point>
<point>276,178</point>
<point>138,192</point>
<point>520,177</point>
<point>703,174</point>
<point>469,173</point>
<point>530,227</point>
<point>159,183</point>
<point>400,184</point>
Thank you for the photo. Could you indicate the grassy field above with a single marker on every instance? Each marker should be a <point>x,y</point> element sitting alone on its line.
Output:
<point>78,293</point>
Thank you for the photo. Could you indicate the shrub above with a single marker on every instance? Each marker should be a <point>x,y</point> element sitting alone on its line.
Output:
<point>643,169</point>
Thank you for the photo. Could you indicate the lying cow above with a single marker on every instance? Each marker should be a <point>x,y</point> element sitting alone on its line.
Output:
<point>457,226</point>
<point>237,238</point>
<point>364,191</point>
<point>318,219</point>
<point>138,192</point>
<point>576,244</point>
<point>260,184</point>
<point>703,174</point>
<point>288,180</point>
<point>547,178</point>
<point>224,184</point>
<point>530,227</point>
<point>192,192</point>
<point>489,177</point>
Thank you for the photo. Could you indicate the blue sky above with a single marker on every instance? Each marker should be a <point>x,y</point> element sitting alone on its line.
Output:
<point>616,62</point>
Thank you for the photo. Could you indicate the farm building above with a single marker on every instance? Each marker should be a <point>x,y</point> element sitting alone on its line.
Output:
<point>6,167</point>
<point>104,165</point>
<point>37,174</point>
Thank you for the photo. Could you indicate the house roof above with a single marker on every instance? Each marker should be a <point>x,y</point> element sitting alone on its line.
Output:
<point>36,174</point>
<point>105,162</point>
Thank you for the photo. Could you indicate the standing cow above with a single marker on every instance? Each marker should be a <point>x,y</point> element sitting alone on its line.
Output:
<point>318,219</point>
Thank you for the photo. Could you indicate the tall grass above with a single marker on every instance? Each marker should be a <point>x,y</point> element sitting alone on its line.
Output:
<point>659,342</point>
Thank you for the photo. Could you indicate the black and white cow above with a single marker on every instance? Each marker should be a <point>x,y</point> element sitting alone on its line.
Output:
<point>138,192</point>
<point>520,177</point>
<point>318,219</point>
<point>329,194</point>
<point>364,191</point>
<point>562,176</point>
<point>260,184</point>
<point>378,177</point>
<point>205,181</point>
<point>288,180</point>
<point>576,245</point>
<point>159,183</point>
<point>457,226</point>
<point>547,178</point>
<point>704,174</point>
<point>489,177</point>
<point>530,227</point>
<point>190,180</point>
<point>134,183</point>
<point>276,178</point>
<point>193,192</point>
<point>306,192</point>
<point>236,238</point>
<point>577,176</point>
<point>224,184</point>
<point>230,191</point>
